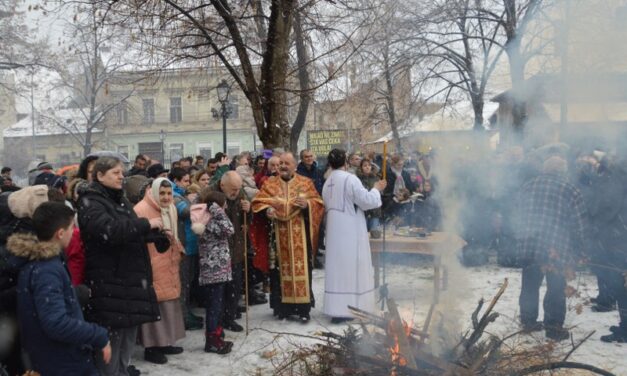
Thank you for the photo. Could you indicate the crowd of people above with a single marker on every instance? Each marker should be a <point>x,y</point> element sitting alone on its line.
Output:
<point>97,259</point>
<point>551,212</point>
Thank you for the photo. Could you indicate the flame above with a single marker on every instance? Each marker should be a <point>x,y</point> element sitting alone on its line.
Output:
<point>395,350</point>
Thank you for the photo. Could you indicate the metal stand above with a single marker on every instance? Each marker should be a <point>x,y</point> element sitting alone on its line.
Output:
<point>383,289</point>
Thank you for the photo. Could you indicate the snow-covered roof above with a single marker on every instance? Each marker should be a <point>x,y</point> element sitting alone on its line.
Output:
<point>47,124</point>
<point>454,117</point>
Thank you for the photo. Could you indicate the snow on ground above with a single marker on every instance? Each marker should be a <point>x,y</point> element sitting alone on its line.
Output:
<point>411,286</point>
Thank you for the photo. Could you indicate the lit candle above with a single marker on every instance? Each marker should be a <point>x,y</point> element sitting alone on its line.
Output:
<point>385,159</point>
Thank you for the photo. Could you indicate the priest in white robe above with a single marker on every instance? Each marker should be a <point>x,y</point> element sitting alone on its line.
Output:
<point>349,275</point>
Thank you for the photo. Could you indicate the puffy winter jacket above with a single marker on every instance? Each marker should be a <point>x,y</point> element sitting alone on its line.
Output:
<point>117,265</point>
<point>55,337</point>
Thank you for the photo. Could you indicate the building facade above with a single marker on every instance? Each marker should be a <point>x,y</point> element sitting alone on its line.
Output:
<point>176,114</point>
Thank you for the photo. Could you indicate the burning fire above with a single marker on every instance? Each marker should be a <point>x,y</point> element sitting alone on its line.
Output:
<point>395,349</point>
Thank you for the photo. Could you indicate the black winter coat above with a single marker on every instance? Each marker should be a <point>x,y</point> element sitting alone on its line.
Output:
<point>117,264</point>
<point>314,174</point>
<point>9,224</point>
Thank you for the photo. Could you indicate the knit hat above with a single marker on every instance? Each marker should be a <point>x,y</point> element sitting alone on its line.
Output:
<point>135,187</point>
<point>51,180</point>
<point>23,203</point>
<point>155,170</point>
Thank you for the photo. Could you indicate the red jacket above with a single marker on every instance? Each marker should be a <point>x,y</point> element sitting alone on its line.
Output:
<point>75,254</point>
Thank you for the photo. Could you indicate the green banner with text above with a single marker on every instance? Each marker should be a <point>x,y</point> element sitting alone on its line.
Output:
<point>322,142</point>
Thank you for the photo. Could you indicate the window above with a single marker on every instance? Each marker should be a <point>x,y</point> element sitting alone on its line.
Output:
<point>176,110</point>
<point>122,113</point>
<point>232,149</point>
<point>149,110</point>
<point>176,152</point>
<point>123,149</point>
<point>233,106</point>
<point>205,149</point>
<point>151,149</point>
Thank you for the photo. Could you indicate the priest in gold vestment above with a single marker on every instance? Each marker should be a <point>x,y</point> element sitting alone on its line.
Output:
<point>295,208</point>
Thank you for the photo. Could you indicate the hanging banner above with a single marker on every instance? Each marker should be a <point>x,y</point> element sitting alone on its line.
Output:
<point>322,142</point>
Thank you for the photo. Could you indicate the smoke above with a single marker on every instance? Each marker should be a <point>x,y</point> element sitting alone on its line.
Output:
<point>577,106</point>
<point>451,195</point>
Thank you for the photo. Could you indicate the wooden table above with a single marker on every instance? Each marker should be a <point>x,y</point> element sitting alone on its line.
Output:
<point>433,245</point>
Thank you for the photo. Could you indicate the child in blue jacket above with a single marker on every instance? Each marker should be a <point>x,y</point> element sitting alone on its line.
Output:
<point>55,337</point>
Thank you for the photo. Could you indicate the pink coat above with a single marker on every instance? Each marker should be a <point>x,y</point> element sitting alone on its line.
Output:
<point>165,266</point>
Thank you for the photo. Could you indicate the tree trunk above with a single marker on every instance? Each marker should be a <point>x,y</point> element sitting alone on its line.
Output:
<point>87,145</point>
<point>303,79</point>
<point>477,107</point>
<point>274,70</point>
<point>391,109</point>
<point>517,74</point>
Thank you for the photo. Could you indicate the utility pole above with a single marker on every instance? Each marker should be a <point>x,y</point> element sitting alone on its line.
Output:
<point>564,71</point>
<point>32,115</point>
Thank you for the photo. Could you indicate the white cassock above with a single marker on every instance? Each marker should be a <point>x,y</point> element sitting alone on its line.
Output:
<point>349,276</point>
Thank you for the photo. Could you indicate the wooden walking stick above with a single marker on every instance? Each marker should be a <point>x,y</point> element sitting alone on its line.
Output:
<point>246,267</point>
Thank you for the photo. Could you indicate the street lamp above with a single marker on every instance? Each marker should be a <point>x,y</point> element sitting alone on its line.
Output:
<point>223,89</point>
<point>254,129</point>
<point>162,138</point>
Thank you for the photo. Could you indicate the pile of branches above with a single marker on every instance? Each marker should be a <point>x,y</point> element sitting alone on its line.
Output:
<point>386,345</point>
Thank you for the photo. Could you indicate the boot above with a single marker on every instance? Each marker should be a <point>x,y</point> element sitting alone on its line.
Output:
<point>191,323</point>
<point>154,355</point>
<point>132,371</point>
<point>619,334</point>
<point>604,307</point>
<point>556,333</point>
<point>233,326</point>
<point>196,318</point>
<point>171,350</point>
<point>215,344</point>
<point>529,327</point>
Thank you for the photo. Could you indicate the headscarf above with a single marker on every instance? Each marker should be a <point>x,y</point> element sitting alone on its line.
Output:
<point>168,215</point>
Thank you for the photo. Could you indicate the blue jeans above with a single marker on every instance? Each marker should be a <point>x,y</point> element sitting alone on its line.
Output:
<point>373,223</point>
<point>214,303</point>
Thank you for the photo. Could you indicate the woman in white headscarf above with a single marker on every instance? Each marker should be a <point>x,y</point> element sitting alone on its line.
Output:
<point>158,338</point>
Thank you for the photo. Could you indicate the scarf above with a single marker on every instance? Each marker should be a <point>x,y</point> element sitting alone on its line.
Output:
<point>168,215</point>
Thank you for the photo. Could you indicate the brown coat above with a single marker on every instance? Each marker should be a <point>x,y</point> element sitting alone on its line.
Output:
<point>165,266</point>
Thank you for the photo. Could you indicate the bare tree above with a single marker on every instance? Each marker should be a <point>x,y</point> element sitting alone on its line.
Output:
<point>18,46</point>
<point>95,61</point>
<point>388,58</point>
<point>463,49</point>
<point>262,44</point>
<point>515,19</point>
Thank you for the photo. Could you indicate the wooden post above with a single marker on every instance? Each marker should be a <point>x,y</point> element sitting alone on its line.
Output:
<point>246,267</point>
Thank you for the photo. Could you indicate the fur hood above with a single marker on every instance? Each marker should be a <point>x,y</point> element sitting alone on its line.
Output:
<point>28,247</point>
<point>23,203</point>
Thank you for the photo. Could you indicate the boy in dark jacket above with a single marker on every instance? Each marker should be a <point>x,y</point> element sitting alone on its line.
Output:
<point>55,337</point>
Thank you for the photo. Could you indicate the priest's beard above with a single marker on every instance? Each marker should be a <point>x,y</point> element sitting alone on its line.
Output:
<point>287,178</point>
